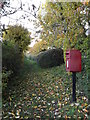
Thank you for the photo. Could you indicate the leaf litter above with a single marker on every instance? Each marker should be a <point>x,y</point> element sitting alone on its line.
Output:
<point>44,95</point>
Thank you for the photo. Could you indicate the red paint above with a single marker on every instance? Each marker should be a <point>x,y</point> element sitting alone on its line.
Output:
<point>73,61</point>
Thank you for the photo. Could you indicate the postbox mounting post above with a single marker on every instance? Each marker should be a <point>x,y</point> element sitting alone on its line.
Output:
<point>73,64</point>
<point>74,87</point>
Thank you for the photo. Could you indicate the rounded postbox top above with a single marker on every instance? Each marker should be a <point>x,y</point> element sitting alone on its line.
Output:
<point>73,50</point>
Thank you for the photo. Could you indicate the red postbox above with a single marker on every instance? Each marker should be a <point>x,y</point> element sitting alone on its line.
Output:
<point>73,61</point>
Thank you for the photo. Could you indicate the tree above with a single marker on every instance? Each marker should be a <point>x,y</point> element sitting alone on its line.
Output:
<point>8,9</point>
<point>18,35</point>
<point>26,10</point>
<point>63,24</point>
<point>15,41</point>
<point>39,47</point>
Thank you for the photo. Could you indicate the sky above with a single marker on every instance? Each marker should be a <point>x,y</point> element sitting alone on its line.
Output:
<point>11,19</point>
<point>28,21</point>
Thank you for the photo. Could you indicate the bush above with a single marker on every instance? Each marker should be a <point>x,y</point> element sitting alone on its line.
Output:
<point>11,57</point>
<point>5,77</point>
<point>18,35</point>
<point>50,58</point>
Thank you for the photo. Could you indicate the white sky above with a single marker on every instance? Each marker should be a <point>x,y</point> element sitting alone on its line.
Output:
<point>11,19</point>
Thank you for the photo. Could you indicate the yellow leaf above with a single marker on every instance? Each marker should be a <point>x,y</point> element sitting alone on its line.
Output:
<point>59,103</point>
<point>38,116</point>
<point>86,104</point>
<point>13,114</point>
<point>85,110</point>
<point>10,98</point>
<point>65,102</point>
<point>33,94</point>
<point>66,117</point>
<point>35,107</point>
<point>79,111</point>
<point>17,113</point>
<point>56,86</point>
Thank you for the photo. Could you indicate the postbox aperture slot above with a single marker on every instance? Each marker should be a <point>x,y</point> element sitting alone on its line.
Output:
<point>67,54</point>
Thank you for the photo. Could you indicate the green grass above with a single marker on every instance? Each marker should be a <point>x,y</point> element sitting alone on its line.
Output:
<point>43,93</point>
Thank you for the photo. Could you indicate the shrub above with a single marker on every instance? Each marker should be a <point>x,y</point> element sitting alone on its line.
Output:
<point>19,35</point>
<point>11,57</point>
<point>50,58</point>
<point>5,77</point>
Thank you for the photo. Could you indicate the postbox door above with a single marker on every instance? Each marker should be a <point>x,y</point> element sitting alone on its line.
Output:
<point>75,64</point>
